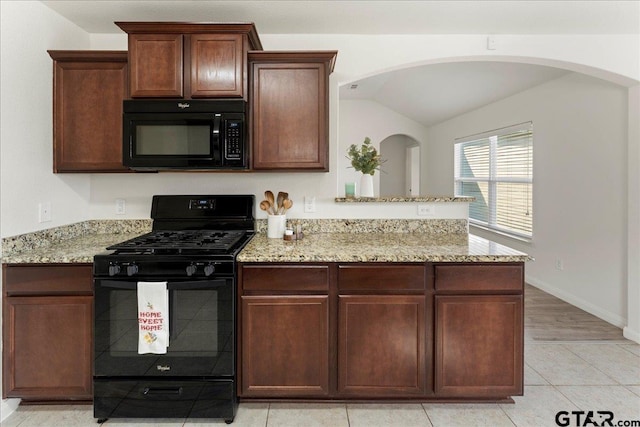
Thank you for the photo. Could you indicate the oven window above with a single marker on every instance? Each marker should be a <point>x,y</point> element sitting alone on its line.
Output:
<point>200,342</point>
<point>169,140</point>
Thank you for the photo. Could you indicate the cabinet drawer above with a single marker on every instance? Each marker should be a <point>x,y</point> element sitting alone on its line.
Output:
<point>381,277</point>
<point>285,278</point>
<point>48,279</point>
<point>483,277</point>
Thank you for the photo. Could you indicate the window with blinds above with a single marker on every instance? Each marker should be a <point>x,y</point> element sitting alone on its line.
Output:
<point>496,168</point>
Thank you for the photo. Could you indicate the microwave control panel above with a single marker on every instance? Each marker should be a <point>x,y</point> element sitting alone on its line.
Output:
<point>233,140</point>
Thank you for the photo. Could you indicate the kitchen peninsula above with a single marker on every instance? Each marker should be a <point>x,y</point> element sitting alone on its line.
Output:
<point>434,314</point>
<point>393,309</point>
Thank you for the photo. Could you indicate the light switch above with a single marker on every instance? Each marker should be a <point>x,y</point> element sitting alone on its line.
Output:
<point>121,207</point>
<point>309,204</point>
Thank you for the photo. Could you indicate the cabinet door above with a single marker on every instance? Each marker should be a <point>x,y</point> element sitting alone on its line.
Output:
<point>87,125</point>
<point>290,116</point>
<point>478,346</point>
<point>217,65</point>
<point>48,347</point>
<point>381,349</point>
<point>156,65</point>
<point>285,346</point>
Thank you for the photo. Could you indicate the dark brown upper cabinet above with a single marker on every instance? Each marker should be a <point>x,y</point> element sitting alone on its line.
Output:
<point>290,109</point>
<point>184,60</point>
<point>88,90</point>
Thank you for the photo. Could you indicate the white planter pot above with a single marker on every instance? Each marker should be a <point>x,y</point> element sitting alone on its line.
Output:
<point>366,185</point>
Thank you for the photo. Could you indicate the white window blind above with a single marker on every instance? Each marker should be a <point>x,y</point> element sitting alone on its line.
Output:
<point>496,168</point>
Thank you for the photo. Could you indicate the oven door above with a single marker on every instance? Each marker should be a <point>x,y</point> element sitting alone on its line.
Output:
<point>201,327</point>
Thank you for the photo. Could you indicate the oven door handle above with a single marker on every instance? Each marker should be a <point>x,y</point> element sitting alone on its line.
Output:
<point>197,284</point>
<point>194,284</point>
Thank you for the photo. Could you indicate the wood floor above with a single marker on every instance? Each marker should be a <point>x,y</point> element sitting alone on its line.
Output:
<point>547,318</point>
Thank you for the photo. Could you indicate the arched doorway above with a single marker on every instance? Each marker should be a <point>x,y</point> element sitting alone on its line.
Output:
<point>629,224</point>
<point>401,171</point>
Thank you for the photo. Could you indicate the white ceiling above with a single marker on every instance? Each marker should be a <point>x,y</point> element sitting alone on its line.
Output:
<point>368,17</point>
<point>429,94</point>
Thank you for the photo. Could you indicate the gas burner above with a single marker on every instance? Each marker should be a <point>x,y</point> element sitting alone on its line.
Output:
<point>182,241</point>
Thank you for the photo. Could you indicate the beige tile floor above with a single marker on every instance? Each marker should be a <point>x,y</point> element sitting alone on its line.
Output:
<point>560,375</point>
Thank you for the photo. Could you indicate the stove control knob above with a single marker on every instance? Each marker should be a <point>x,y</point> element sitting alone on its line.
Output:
<point>114,269</point>
<point>132,270</point>
<point>191,269</point>
<point>209,269</point>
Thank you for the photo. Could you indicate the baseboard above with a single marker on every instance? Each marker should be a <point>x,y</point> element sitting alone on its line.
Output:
<point>7,406</point>
<point>605,315</point>
<point>630,334</point>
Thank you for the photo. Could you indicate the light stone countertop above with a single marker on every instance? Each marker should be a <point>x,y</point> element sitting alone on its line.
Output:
<point>72,243</point>
<point>324,241</point>
<point>379,247</point>
<point>74,250</point>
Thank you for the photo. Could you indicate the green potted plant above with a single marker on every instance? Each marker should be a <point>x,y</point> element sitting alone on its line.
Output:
<point>365,159</point>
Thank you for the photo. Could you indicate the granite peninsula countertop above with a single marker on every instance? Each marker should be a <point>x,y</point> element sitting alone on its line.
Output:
<point>324,241</point>
<point>379,247</point>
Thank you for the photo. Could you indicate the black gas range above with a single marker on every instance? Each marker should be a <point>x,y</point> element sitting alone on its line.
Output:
<point>191,253</point>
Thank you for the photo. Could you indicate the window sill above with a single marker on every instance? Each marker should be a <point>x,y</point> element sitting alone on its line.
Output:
<point>500,233</point>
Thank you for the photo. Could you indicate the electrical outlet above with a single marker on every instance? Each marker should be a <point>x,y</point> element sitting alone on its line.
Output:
<point>559,264</point>
<point>44,212</point>
<point>492,43</point>
<point>309,204</point>
<point>426,210</point>
<point>121,207</point>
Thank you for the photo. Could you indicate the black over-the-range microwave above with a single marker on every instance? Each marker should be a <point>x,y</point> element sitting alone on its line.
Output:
<point>184,134</point>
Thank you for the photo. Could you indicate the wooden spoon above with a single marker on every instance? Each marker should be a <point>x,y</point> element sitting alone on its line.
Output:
<point>272,201</point>
<point>286,205</point>
<point>279,201</point>
<point>269,196</point>
<point>265,205</point>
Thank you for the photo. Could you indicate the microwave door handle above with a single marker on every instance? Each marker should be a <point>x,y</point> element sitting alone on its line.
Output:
<point>215,137</point>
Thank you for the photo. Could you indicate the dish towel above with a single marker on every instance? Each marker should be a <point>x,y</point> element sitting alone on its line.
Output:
<point>153,317</point>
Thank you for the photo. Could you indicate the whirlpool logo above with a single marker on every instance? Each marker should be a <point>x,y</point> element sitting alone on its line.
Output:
<point>163,368</point>
<point>591,418</point>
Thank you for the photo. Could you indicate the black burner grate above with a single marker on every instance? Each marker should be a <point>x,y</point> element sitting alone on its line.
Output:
<point>160,241</point>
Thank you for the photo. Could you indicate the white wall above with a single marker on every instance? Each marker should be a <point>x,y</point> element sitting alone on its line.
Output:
<point>73,198</point>
<point>29,29</point>
<point>579,196</point>
<point>632,330</point>
<point>361,118</point>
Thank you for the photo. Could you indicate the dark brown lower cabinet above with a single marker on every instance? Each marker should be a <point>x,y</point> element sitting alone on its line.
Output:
<point>381,345</point>
<point>47,332</point>
<point>478,342</point>
<point>285,343</point>
<point>376,331</point>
